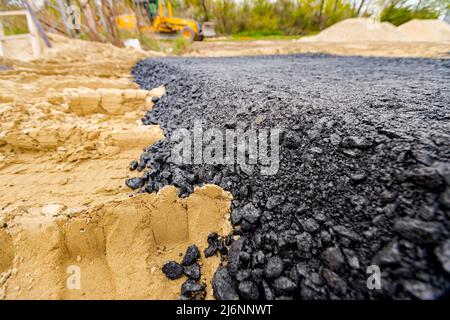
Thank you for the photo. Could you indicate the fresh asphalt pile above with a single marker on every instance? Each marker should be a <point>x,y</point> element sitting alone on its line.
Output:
<point>364,170</point>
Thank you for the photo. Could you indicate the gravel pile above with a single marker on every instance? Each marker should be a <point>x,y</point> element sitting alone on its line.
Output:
<point>363,177</point>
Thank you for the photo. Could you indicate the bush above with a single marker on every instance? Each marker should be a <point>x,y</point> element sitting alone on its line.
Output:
<point>180,45</point>
<point>400,15</point>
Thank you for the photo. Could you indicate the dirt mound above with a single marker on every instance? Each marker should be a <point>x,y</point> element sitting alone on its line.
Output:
<point>358,30</point>
<point>119,247</point>
<point>426,30</point>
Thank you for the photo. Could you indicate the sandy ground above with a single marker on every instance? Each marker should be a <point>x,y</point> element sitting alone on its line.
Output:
<point>70,125</point>
<point>380,49</point>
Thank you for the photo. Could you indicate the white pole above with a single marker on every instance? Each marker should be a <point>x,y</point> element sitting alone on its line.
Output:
<point>34,37</point>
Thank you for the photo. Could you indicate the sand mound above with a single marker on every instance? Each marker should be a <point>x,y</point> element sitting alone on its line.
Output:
<point>358,30</point>
<point>117,248</point>
<point>426,30</point>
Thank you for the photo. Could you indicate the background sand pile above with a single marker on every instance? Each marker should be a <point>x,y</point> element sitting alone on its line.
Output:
<point>426,30</point>
<point>359,30</point>
<point>368,30</point>
<point>69,127</point>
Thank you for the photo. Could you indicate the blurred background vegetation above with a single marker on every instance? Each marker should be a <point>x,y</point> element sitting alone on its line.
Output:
<point>301,17</point>
<point>238,19</point>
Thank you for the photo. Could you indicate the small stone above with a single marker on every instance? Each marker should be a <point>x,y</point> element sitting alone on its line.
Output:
<point>292,140</point>
<point>390,254</point>
<point>284,285</point>
<point>350,153</point>
<point>335,139</point>
<point>247,226</point>
<point>192,271</point>
<point>192,254</point>
<point>223,285</point>
<point>251,213</point>
<point>420,290</point>
<point>234,256</point>
<point>193,290</point>
<point>52,209</point>
<point>134,183</point>
<point>334,258</point>
<point>149,187</point>
<point>352,259</point>
<point>236,216</point>
<point>355,142</point>
<point>442,252</point>
<point>133,165</point>
<point>173,270</point>
<point>274,201</point>
<point>321,217</point>
<point>268,293</point>
<point>357,178</point>
<point>274,267</point>
<point>257,274</point>
<point>388,197</point>
<point>242,275</point>
<point>344,232</point>
<point>334,281</point>
<point>418,231</point>
<point>210,251</point>
<point>213,238</point>
<point>310,225</point>
<point>248,290</point>
<point>325,236</point>
<point>426,177</point>
<point>304,244</point>
<point>444,198</point>
<point>258,258</point>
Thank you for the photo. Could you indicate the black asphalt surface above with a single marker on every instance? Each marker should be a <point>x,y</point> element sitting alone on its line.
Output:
<point>363,178</point>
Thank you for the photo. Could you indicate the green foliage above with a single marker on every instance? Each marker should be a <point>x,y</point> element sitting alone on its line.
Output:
<point>255,18</point>
<point>270,17</point>
<point>251,19</point>
<point>259,33</point>
<point>400,12</point>
<point>149,43</point>
<point>180,45</point>
<point>15,25</point>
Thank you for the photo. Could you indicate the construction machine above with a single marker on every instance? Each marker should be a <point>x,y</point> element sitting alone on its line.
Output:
<point>158,14</point>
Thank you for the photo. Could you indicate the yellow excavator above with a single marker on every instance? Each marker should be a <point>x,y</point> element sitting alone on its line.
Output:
<point>159,15</point>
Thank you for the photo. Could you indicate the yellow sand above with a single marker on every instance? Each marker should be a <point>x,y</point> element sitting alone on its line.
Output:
<point>359,30</point>
<point>428,30</point>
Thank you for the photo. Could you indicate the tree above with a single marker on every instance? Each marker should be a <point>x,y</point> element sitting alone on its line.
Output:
<point>322,2</point>
<point>361,4</point>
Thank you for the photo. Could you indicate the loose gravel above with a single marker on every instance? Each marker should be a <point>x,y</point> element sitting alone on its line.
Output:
<point>364,174</point>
